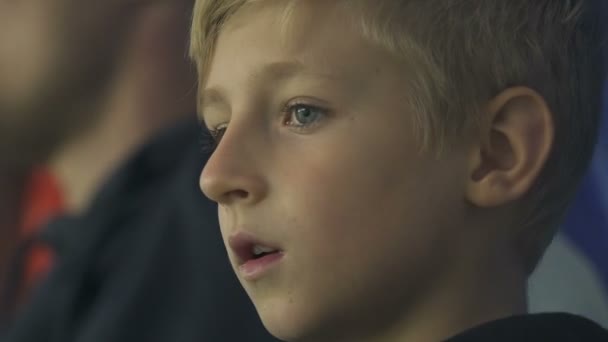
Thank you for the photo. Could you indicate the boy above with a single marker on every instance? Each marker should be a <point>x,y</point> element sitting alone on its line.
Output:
<point>393,170</point>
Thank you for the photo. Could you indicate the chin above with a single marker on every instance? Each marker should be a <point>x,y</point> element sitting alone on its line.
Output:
<point>286,320</point>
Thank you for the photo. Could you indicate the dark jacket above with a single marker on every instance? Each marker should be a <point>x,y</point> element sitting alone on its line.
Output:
<point>549,327</point>
<point>145,263</point>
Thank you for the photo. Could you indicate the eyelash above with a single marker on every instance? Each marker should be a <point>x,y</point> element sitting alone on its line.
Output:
<point>211,137</point>
<point>289,111</point>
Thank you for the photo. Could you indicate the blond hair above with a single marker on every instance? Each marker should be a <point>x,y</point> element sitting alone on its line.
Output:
<point>465,52</point>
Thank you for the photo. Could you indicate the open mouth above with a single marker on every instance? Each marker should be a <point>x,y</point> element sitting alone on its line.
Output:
<point>248,249</point>
<point>259,252</point>
<point>253,257</point>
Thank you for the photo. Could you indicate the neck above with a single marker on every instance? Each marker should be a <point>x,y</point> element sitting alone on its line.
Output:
<point>467,305</point>
<point>83,163</point>
<point>465,298</point>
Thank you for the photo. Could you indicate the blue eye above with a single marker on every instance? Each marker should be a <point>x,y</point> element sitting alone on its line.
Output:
<point>302,116</point>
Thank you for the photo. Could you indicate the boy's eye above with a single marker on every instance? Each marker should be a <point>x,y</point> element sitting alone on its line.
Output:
<point>211,138</point>
<point>302,116</point>
<point>297,116</point>
<point>217,133</point>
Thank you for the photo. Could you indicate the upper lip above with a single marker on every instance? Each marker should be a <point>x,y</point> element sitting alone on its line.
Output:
<point>242,244</point>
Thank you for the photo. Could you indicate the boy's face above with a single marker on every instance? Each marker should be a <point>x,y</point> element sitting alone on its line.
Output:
<point>320,162</point>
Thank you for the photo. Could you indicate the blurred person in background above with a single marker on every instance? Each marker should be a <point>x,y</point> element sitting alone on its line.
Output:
<point>36,198</point>
<point>11,187</point>
<point>101,91</point>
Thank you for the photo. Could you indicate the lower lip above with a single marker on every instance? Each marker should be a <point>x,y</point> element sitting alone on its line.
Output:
<point>254,269</point>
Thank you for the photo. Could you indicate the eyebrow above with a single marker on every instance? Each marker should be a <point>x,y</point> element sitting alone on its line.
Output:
<point>270,73</point>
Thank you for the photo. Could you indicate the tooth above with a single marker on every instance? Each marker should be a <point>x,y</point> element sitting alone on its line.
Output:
<point>257,250</point>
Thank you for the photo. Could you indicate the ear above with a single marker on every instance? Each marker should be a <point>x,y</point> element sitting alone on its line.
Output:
<point>513,148</point>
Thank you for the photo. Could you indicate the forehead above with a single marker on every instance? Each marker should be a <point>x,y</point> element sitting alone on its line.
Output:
<point>311,38</point>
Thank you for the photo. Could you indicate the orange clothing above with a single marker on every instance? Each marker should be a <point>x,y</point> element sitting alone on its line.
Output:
<point>43,200</point>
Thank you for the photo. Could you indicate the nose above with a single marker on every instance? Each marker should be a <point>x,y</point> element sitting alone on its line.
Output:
<point>232,173</point>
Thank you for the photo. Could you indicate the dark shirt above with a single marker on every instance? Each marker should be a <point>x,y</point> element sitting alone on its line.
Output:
<point>145,263</point>
<point>550,327</point>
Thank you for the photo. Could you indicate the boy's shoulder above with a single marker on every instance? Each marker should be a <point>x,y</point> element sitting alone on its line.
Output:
<point>556,327</point>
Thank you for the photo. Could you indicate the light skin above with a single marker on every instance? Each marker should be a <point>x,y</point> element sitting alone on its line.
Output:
<point>317,156</point>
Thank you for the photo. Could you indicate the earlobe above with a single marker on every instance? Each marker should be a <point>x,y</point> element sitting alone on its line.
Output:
<point>514,146</point>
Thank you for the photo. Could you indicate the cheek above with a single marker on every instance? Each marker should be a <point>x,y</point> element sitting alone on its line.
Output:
<point>365,206</point>
<point>340,198</point>
<point>361,230</point>
<point>225,221</point>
